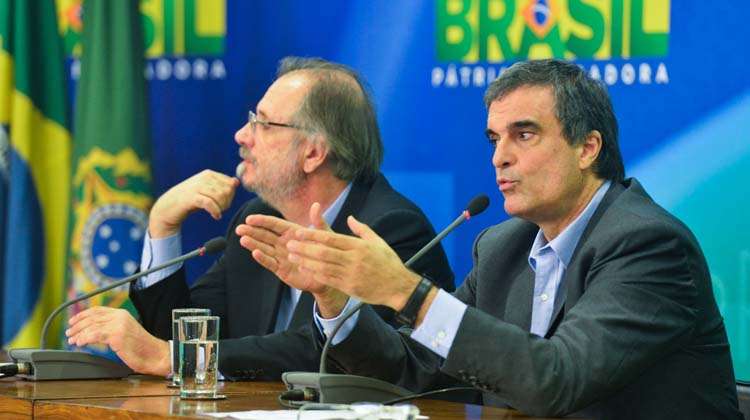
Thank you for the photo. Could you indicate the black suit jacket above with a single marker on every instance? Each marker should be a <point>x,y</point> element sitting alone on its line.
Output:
<point>247,296</point>
<point>635,334</point>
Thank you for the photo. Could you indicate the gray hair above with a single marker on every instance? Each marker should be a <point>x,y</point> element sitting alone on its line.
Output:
<point>339,106</point>
<point>581,105</point>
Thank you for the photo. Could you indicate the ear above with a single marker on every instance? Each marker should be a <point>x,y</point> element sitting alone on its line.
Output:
<point>315,153</point>
<point>589,149</point>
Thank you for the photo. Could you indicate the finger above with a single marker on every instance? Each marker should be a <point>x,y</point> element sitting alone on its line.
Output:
<point>222,178</point>
<point>330,273</point>
<point>93,311</point>
<point>362,230</point>
<point>208,204</point>
<point>219,192</point>
<point>330,239</point>
<point>259,233</point>
<point>318,252</point>
<point>316,217</point>
<point>274,224</point>
<point>86,338</point>
<point>268,262</point>
<point>252,244</point>
<point>89,322</point>
<point>85,329</point>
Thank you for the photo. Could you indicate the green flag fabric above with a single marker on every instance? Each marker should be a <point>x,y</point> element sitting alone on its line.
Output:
<point>111,175</point>
<point>35,149</point>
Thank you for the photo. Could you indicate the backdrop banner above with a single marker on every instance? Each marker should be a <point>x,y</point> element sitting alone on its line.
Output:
<point>676,76</point>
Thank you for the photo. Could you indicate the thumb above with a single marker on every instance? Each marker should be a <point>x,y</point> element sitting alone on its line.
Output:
<point>362,230</point>
<point>316,217</point>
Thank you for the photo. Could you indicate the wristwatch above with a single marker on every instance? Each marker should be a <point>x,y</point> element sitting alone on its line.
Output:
<point>408,314</point>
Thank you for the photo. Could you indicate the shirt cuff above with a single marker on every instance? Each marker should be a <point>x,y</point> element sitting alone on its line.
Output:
<point>326,326</point>
<point>440,325</point>
<point>155,252</point>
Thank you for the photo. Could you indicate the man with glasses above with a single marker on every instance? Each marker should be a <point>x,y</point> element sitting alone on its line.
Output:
<point>311,152</point>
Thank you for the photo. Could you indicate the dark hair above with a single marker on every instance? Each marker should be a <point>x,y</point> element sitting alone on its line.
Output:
<point>339,106</point>
<point>581,105</point>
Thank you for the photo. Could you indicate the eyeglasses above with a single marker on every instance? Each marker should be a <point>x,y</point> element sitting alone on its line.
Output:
<point>253,120</point>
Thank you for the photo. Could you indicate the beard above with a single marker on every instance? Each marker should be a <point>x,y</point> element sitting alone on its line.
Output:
<point>273,183</point>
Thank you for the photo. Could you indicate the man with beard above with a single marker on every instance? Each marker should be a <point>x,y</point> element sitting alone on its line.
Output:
<point>312,154</point>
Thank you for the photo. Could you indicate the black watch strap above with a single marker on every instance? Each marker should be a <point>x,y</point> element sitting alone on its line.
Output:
<point>408,314</point>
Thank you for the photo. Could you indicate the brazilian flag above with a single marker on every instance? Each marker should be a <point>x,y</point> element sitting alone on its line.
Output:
<point>35,147</point>
<point>111,175</point>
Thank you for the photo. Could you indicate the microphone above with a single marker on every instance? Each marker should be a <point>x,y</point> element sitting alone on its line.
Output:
<point>46,364</point>
<point>347,389</point>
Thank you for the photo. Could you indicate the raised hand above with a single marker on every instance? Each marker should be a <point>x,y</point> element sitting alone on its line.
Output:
<point>208,190</point>
<point>267,236</point>
<point>364,266</point>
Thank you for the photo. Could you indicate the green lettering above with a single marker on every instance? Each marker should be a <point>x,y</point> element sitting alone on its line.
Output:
<point>586,15</point>
<point>199,44</point>
<point>169,11</point>
<point>447,50</point>
<point>615,31</point>
<point>149,31</point>
<point>644,44</point>
<point>497,28</point>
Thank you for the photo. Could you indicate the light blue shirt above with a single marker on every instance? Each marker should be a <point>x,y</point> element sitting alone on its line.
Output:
<point>548,260</point>
<point>158,251</point>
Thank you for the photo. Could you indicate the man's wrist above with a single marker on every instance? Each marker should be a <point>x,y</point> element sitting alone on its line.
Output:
<point>410,283</point>
<point>162,359</point>
<point>159,230</point>
<point>409,314</point>
<point>331,303</point>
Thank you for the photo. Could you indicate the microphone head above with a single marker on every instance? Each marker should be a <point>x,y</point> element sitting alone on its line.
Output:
<point>478,204</point>
<point>214,245</point>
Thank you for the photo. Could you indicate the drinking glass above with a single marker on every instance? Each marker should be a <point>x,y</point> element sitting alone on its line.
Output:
<point>176,315</point>
<point>199,357</point>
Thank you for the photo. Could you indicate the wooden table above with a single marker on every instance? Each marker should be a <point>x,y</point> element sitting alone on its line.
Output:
<point>146,397</point>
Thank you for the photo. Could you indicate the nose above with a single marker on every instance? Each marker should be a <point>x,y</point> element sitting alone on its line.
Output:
<point>502,157</point>
<point>244,136</point>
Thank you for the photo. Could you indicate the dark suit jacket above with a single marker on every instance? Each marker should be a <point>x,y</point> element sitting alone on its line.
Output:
<point>246,296</point>
<point>636,333</point>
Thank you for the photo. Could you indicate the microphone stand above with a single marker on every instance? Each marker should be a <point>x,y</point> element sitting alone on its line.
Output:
<point>46,364</point>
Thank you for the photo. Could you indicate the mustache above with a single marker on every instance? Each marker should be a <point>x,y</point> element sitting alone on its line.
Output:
<point>245,155</point>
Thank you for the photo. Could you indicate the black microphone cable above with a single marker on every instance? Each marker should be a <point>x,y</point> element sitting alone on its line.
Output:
<point>12,369</point>
<point>296,398</point>
<point>429,394</point>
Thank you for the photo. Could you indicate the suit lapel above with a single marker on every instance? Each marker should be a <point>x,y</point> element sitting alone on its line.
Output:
<point>353,203</point>
<point>271,289</point>
<point>520,297</point>
<point>572,276</point>
<point>302,311</point>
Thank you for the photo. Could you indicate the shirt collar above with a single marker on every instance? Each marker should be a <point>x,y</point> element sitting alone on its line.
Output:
<point>565,243</point>
<point>333,210</point>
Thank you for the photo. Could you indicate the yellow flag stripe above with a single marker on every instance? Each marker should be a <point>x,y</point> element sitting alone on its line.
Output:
<point>6,85</point>
<point>45,145</point>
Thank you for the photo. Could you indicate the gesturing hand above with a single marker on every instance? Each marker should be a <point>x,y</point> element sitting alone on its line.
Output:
<point>364,266</point>
<point>267,236</point>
